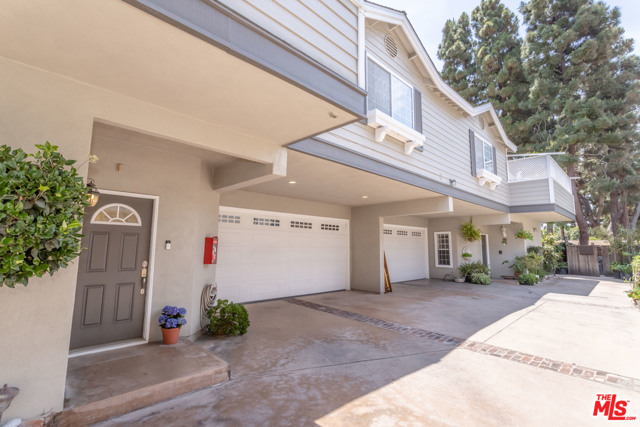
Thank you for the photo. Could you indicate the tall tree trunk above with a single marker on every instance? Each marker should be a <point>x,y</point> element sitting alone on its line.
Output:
<point>636,214</point>
<point>580,219</point>
<point>615,211</point>
<point>624,210</point>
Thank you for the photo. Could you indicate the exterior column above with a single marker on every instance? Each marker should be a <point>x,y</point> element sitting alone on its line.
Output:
<point>367,250</point>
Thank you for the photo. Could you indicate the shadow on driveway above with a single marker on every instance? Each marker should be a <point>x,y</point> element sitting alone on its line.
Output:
<point>300,366</point>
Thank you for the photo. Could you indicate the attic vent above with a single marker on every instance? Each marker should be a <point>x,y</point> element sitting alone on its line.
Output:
<point>482,123</point>
<point>391,46</point>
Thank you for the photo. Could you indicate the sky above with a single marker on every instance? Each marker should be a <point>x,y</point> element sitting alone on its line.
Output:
<point>428,18</point>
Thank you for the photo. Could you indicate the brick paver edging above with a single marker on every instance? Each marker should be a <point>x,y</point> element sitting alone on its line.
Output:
<point>482,348</point>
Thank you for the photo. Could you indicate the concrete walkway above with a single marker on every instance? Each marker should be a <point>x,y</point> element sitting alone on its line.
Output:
<point>430,353</point>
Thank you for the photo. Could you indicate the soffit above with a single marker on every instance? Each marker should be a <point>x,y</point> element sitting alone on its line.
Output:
<point>115,46</point>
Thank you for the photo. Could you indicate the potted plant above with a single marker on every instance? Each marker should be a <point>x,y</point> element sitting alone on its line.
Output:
<point>563,268</point>
<point>466,255</point>
<point>469,231</point>
<point>524,234</point>
<point>170,321</point>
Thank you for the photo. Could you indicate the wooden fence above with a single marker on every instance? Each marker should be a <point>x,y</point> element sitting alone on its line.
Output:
<point>588,260</point>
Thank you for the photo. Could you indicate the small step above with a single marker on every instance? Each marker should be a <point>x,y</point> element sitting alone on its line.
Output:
<point>109,384</point>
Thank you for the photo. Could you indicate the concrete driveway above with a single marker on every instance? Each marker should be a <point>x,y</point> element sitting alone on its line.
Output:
<point>430,353</point>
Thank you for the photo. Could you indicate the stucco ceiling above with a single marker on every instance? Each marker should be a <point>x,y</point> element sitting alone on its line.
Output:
<point>115,46</point>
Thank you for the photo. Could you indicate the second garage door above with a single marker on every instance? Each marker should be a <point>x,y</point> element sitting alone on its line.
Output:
<point>406,252</point>
<point>264,255</point>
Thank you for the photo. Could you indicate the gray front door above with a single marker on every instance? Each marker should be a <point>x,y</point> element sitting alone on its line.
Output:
<point>109,303</point>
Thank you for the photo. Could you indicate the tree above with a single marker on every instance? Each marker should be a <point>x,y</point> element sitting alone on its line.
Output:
<point>456,50</point>
<point>583,96</point>
<point>500,74</point>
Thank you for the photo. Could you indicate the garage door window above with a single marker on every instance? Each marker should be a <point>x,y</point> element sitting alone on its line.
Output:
<point>443,249</point>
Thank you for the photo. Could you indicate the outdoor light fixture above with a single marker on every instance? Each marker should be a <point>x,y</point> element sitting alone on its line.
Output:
<point>503,230</point>
<point>93,194</point>
<point>292,182</point>
<point>452,182</point>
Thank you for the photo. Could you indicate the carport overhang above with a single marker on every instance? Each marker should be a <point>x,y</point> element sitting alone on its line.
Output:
<point>196,58</point>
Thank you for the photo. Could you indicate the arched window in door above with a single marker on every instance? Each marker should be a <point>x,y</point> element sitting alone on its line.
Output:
<point>116,214</point>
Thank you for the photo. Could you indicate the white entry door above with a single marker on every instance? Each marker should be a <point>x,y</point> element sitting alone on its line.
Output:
<point>264,255</point>
<point>406,252</point>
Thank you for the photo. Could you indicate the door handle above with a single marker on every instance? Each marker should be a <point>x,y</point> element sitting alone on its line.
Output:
<point>143,275</point>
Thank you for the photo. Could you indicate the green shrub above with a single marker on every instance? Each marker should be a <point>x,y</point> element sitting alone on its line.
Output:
<point>480,279</point>
<point>228,318</point>
<point>529,279</point>
<point>528,263</point>
<point>535,249</point>
<point>468,268</point>
<point>43,201</point>
<point>469,231</point>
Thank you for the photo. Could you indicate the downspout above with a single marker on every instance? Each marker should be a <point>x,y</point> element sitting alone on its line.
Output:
<point>361,42</point>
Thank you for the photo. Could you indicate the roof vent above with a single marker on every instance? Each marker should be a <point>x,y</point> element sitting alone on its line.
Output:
<point>482,123</point>
<point>391,46</point>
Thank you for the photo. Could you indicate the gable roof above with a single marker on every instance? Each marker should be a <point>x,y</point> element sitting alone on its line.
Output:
<point>400,21</point>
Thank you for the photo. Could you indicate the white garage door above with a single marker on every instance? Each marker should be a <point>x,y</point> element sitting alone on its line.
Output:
<point>406,252</point>
<point>263,255</point>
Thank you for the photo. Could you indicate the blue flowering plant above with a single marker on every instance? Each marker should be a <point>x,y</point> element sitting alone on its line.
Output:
<point>172,317</point>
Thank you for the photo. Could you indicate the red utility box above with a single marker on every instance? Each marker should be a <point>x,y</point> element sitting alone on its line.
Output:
<point>211,250</point>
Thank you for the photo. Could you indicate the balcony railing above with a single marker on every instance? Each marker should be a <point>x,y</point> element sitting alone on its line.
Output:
<point>537,167</point>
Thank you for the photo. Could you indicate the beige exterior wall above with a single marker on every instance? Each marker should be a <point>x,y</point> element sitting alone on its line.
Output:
<point>514,247</point>
<point>327,31</point>
<point>37,106</point>
<point>187,212</point>
<point>446,148</point>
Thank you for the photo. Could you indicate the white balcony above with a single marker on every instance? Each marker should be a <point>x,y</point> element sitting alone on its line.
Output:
<point>539,180</point>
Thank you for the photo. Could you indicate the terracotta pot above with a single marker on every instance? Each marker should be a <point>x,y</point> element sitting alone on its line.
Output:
<point>170,336</point>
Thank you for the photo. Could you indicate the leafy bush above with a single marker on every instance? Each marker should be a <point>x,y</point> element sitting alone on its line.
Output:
<point>622,268</point>
<point>529,279</point>
<point>228,318</point>
<point>634,294</point>
<point>535,249</point>
<point>524,234</point>
<point>469,231</point>
<point>480,279</point>
<point>528,263</point>
<point>469,268</point>
<point>43,201</point>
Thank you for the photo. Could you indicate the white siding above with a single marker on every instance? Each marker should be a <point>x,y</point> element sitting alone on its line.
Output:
<point>530,192</point>
<point>326,30</point>
<point>564,199</point>
<point>446,150</point>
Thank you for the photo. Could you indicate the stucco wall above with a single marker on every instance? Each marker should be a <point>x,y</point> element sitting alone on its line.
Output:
<point>188,211</point>
<point>514,247</point>
<point>36,345</point>
<point>36,106</point>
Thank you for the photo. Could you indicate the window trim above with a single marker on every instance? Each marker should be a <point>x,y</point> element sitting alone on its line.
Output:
<point>401,80</point>
<point>435,244</point>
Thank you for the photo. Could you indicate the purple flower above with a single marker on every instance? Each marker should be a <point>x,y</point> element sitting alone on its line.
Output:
<point>171,323</point>
<point>182,321</point>
<point>162,319</point>
<point>182,311</point>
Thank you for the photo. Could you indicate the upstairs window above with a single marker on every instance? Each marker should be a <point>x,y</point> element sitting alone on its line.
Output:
<point>488,152</point>
<point>389,94</point>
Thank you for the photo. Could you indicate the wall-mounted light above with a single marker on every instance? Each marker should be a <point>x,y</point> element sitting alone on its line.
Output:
<point>503,230</point>
<point>93,194</point>
<point>452,182</point>
<point>292,182</point>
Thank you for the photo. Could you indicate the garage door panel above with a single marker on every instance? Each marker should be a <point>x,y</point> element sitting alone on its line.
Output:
<point>406,252</point>
<point>302,255</point>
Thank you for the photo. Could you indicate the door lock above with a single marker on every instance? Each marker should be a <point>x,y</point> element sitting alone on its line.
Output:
<point>143,275</point>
